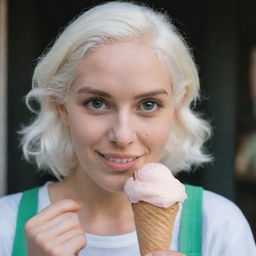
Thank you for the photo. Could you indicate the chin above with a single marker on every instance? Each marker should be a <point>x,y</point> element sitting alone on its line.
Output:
<point>113,187</point>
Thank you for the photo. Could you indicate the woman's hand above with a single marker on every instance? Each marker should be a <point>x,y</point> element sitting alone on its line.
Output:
<point>56,231</point>
<point>165,253</point>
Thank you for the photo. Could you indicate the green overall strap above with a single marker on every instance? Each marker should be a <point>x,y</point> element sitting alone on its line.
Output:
<point>190,237</point>
<point>27,209</point>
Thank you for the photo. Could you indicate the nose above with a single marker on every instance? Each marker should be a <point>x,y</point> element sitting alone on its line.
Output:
<point>122,131</point>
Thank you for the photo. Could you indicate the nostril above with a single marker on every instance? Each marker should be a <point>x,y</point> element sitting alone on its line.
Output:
<point>122,131</point>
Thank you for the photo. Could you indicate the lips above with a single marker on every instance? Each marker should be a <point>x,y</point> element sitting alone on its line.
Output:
<point>119,162</point>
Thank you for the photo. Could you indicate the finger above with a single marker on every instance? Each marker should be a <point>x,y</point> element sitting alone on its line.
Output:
<point>62,228</point>
<point>48,241</point>
<point>60,224</point>
<point>71,247</point>
<point>57,208</point>
<point>67,236</point>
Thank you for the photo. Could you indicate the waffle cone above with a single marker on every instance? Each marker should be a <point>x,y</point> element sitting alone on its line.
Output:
<point>154,226</point>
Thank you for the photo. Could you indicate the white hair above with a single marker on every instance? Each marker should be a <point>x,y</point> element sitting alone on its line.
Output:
<point>47,141</point>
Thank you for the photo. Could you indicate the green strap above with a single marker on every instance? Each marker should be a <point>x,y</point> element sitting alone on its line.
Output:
<point>27,209</point>
<point>190,237</point>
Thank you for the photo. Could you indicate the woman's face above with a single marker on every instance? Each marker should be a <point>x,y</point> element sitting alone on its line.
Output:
<point>119,112</point>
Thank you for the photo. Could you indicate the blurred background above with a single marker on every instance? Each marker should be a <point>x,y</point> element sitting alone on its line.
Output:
<point>222,35</point>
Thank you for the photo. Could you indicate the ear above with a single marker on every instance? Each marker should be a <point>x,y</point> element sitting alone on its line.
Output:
<point>63,114</point>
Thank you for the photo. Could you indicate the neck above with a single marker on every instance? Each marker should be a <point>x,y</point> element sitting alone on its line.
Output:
<point>104,212</point>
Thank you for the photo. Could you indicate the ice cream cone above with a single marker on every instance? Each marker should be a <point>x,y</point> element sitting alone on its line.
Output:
<point>154,226</point>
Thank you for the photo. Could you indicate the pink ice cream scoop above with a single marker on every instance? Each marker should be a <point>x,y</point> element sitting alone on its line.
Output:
<point>155,184</point>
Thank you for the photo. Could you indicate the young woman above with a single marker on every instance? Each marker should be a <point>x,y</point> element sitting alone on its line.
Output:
<point>115,92</point>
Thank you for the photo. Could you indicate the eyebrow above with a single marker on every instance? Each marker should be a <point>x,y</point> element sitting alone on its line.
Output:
<point>90,90</point>
<point>150,94</point>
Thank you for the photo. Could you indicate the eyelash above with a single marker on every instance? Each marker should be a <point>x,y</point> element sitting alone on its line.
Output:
<point>155,101</point>
<point>90,100</point>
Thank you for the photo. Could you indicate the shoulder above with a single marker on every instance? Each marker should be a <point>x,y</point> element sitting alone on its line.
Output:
<point>9,207</point>
<point>225,229</point>
<point>220,207</point>
<point>8,214</point>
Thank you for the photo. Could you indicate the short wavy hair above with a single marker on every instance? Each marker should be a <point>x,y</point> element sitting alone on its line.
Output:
<point>47,141</point>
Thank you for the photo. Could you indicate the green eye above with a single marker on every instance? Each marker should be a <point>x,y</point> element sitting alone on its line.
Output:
<point>148,106</point>
<point>96,104</point>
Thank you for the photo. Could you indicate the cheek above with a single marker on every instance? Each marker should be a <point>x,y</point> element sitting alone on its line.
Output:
<point>159,138</point>
<point>84,132</point>
<point>157,133</point>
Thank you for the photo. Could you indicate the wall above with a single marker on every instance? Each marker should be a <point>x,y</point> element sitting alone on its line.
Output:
<point>3,101</point>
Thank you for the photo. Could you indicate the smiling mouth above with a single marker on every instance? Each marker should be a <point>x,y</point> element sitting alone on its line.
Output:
<point>118,160</point>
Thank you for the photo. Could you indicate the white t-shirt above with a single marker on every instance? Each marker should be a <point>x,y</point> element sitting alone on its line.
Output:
<point>226,232</point>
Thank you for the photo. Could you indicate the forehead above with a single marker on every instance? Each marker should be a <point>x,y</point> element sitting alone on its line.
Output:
<point>125,64</point>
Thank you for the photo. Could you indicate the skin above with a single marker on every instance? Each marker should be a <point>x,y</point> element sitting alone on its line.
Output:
<point>120,95</point>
